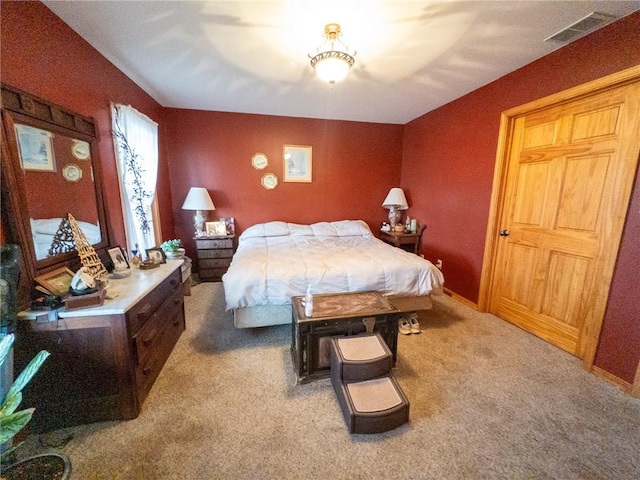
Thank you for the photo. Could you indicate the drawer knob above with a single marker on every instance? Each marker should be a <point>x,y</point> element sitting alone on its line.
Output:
<point>148,340</point>
<point>144,313</point>
<point>146,370</point>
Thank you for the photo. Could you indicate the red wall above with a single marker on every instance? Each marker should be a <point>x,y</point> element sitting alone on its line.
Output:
<point>60,193</point>
<point>447,156</point>
<point>354,166</point>
<point>43,56</point>
<point>448,163</point>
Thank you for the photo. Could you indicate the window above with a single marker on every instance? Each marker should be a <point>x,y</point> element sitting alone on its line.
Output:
<point>136,143</point>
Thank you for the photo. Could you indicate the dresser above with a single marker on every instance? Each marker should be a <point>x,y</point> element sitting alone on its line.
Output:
<point>214,256</point>
<point>105,359</point>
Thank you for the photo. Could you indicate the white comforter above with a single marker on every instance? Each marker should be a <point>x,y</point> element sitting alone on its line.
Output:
<point>277,260</point>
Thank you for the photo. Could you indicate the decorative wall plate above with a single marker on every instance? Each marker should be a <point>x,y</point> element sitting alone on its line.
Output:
<point>80,149</point>
<point>72,173</point>
<point>269,181</point>
<point>259,161</point>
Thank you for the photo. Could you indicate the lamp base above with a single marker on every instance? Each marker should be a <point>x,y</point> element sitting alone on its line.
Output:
<point>394,216</point>
<point>198,221</point>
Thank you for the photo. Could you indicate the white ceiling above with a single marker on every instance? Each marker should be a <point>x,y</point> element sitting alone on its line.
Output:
<point>251,56</point>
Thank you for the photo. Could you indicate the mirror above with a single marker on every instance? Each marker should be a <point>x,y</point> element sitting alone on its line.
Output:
<point>50,169</point>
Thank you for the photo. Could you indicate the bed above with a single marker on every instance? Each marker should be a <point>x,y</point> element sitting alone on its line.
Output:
<point>276,260</point>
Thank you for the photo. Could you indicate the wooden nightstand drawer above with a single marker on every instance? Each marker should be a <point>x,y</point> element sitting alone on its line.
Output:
<point>214,243</point>
<point>224,252</point>
<point>215,263</point>
<point>214,274</point>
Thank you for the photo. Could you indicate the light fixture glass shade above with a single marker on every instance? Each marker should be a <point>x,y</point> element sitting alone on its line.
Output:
<point>198,199</point>
<point>332,60</point>
<point>332,69</point>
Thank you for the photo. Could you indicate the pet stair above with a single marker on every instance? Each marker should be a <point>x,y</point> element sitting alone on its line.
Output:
<point>370,398</point>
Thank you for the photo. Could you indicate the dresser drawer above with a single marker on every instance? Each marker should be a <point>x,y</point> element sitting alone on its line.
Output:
<point>147,339</point>
<point>148,369</point>
<point>215,243</point>
<point>145,308</point>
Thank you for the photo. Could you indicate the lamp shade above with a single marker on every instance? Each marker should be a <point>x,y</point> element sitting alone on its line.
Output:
<point>396,198</point>
<point>198,199</point>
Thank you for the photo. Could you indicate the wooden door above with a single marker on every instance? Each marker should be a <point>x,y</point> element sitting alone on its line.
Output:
<point>567,178</point>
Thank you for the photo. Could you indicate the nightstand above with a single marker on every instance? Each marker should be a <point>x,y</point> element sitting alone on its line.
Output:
<point>214,256</point>
<point>406,241</point>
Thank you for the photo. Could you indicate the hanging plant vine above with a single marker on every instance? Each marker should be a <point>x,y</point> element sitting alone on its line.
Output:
<point>134,167</point>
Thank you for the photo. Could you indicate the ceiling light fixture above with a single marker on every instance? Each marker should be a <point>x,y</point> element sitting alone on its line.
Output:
<point>333,60</point>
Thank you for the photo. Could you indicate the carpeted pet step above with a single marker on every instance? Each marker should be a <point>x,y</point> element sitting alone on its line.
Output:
<point>360,357</point>
<point>372,406</point>
<point>370,398</point>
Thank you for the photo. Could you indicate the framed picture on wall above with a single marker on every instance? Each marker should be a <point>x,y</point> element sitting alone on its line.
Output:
<point>35,147</point>
<point>297,163</point>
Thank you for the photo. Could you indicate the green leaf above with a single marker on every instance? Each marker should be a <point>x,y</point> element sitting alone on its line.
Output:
<point>28,373</point>
<point>12,424</point>
<point>10,404</point>
<point>5,346</point>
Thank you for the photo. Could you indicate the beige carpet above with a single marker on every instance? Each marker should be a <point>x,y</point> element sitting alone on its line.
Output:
<point>487,401</point>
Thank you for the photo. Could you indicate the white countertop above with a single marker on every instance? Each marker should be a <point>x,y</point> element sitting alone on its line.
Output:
<point>122,293</point>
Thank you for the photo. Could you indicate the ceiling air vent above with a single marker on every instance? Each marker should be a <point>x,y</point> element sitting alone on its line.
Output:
<point>585,25</point>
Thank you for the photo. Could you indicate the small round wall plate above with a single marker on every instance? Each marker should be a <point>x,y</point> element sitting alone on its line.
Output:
<point>259,161</point>
<point>72,173</point>
<point>269,181</point>
<point>80,149</point>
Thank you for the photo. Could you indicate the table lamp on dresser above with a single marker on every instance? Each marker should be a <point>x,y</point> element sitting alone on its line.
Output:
<point>395,202</point>
<point>198,199</point>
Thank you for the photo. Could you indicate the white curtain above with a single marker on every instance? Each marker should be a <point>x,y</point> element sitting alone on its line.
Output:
<point>136,143</point>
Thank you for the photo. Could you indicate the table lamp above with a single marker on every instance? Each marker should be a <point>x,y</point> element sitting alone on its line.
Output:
<point>395,202</point>
<point>198,199</point>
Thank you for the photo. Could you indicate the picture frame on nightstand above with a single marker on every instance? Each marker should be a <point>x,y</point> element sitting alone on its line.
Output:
<point>230,224</point>
<point>216,229</point>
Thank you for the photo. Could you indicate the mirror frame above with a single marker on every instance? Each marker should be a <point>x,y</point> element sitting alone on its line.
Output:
<point>22,107</point>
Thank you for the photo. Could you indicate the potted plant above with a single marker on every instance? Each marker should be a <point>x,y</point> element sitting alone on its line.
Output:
<point>50,466</point>
<point>172,248</point>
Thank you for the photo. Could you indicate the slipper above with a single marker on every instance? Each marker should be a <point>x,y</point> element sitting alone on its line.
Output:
<point>404,327</point>
<point>414,324</point>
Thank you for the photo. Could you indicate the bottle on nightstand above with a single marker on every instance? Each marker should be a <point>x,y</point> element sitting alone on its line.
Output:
<point>308,303</point>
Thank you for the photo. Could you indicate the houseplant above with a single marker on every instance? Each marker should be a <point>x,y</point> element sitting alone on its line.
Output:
<point>172,249</point>
<point>45,467</point>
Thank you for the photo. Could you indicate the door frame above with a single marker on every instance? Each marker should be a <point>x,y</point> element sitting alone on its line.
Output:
<point>507,122</point>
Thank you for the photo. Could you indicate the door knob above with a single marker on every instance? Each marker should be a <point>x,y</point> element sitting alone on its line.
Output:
<point>504,233</point>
